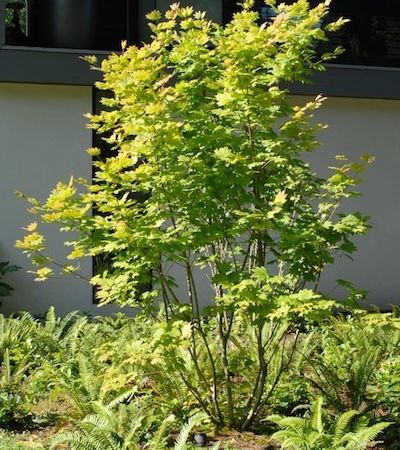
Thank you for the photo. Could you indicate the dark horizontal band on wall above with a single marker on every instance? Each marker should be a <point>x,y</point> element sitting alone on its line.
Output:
<point>65,66</point>
<point>339,80</point>
<point>47,66</point>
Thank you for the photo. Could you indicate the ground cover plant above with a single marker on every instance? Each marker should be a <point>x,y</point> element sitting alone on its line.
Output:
<point>206,180</point>
<point>311,433</point>
<point>59,402</point>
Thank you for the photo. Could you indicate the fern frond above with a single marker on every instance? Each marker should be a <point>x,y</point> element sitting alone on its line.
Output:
<point>158,440</point>
<point>316,415</point>
<point>295,424</point>
<point>181,440</point>
<point>64,324</point>
<point>293,441</point>
<point>361,439</point>
<point>125,396</point>
<point>71,337</point>
<point>343,423</point>
<point>76,441</point>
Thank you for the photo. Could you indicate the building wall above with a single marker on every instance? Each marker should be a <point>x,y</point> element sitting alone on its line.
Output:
<point>43,138</point>
<point>355,127</point>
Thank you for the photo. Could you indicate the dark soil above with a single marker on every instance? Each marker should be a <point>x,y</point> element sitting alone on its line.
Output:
<point>247,441</point>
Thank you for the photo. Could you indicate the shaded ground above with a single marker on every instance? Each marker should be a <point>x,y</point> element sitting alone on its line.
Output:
<point>247,441</point>
<point>35,439</point>
<point>40,439</point>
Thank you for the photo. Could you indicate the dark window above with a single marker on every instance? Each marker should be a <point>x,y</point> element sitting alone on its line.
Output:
<point>371,38</point>
<point>83,24</point>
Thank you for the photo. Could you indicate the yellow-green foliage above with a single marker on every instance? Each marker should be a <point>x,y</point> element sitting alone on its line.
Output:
<point>208,174</point>
<point>208,168</point>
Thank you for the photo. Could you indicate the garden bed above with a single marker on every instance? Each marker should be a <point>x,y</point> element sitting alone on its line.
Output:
<point>84,376</point>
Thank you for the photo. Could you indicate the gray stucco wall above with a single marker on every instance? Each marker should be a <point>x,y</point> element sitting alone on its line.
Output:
<point>43,141</point>
<point>43,138</point>
<point>355,127</point>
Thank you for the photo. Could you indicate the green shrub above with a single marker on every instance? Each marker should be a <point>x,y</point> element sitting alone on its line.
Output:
<point>385,390</point>
<point>126,427</point>
<point>311,433</point>
<point>349,361</point>
<point>108,372</point>
<point>209,174</point>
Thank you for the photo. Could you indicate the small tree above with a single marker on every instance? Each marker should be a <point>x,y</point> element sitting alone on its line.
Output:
<point>209,173</point>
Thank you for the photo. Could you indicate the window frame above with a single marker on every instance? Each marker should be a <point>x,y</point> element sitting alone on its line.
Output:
<point>23,64</point>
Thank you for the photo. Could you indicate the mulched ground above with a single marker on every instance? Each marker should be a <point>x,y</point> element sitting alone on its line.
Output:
<point>33,438</point>
<point>239,441</point>
<point>247,441</point>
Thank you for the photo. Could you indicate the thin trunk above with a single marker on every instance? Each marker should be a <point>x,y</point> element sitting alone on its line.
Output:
<point>263,401</point>
<point>225,363</point>
<point>196,310</point>
<point>258,390</point>
<point>192,389</point>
